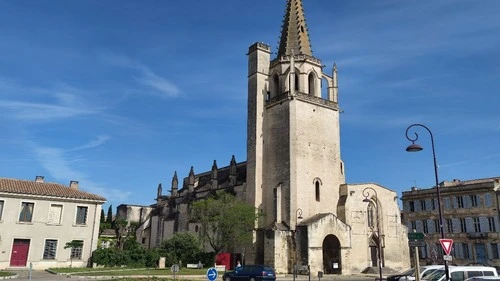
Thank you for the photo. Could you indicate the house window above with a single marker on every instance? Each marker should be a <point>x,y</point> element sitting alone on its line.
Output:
<point>426,226</point>
<point>55,212</point>
<point>422,205</point>
<point>473,200</point>
<point>460,202</point>
<point>449,225</point>
<point>1,209</point>
<point>491,223</point>
<point>494,251</point>
<point>49,252</point>
<point>317,191</point>
<point>447,203</point>
<point>26,214</point>
<point>488,201</point>
<point>76,252</point>
<point>462,225</point>
<point>436,226</point>
<point>81,215</point>
<point>465,250</point>
<point>433,204</point>
<point>412,206</point>
<point>413,225</point>
<point>477,225</point>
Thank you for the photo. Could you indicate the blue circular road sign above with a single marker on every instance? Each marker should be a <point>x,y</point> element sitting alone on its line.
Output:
<point>212,274</point>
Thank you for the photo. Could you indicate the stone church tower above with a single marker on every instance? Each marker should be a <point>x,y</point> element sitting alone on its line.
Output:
<point>294,174</point>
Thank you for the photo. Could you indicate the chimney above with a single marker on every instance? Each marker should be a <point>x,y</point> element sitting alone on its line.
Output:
<point>73,184</point>
<point>39,179</point>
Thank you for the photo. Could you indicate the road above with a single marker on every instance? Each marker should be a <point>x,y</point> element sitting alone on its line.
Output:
<point>38,275</point>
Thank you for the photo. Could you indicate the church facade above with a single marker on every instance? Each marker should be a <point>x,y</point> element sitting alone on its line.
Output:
<point>294,173</point>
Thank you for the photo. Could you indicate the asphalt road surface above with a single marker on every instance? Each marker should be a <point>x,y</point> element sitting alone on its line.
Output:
<point>39,275</point>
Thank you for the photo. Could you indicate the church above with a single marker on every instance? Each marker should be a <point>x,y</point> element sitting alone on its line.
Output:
<point>293,173</point>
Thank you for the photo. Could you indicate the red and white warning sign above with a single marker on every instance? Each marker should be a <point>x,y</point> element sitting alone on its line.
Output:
<point>446,244</point>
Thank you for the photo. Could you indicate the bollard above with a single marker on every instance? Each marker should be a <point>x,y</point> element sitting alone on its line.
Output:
<point>320,275</point>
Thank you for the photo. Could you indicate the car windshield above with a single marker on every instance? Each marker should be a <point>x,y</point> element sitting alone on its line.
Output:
<point>436,275</point>
<point>409,272</point>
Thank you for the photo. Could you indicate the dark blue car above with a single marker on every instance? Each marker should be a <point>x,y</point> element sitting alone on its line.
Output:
<point>250,273</point>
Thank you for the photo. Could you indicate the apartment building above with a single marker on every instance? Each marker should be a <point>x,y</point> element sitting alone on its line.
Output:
<point>470,211</point>
<point>38,219</point>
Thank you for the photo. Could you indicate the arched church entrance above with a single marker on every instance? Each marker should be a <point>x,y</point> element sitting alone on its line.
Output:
<point>331,255</point>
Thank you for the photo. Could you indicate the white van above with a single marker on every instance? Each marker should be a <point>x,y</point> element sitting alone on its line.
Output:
<point>460,273</point>
<point>425,270</point>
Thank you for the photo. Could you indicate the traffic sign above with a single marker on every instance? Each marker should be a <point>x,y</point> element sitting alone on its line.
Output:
<point>416,243</point>
<point>212,274</point>
<point>446,244</point>
<point>447,258</point>
<point>416,236</point>
<point>174,268</point>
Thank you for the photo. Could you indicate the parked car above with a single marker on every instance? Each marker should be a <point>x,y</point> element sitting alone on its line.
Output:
<point>396,277</point>
<point>460,273</point>
<point>425,270</point>
<point>484,278</point>
<point>250,273</point>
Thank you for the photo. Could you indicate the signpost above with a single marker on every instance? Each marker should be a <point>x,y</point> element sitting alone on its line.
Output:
<point>416,236</point>
<point>446,244</point>
<point>212,274</point>
<point>174,268</point>
<point>416,243</point>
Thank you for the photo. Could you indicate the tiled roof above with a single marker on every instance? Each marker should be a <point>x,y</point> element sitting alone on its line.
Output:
<point>16,186</point>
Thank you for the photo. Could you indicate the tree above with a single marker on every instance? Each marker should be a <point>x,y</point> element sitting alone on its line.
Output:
<point>74,244</point>
<point>109,218</point>
<point>225,220</point>
<point>103,219</point>
<point>124,231</point>
<point>183,246</point>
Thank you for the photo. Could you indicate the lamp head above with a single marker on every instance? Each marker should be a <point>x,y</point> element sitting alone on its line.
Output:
<point>300,217</point>
<point>414,148</point>
<point>366,200</point>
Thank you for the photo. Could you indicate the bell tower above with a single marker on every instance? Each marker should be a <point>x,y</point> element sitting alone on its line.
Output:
<point>293,141</point>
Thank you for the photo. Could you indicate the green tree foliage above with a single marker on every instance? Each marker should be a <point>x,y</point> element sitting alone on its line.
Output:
<point>103,218</point>
<point>225,220</point>
<point>73,244</point>
<point>183,248</point>
<point>109,217</point>
<point>125,231</point>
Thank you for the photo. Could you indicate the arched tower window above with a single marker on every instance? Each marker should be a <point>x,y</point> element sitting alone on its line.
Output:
<point>317,191</point>
<point>276,86</point>
<point>297,80</point>
<point>371,215</point>
<point>311,80</point>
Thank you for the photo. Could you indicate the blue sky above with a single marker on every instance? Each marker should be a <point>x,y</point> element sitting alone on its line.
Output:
<point>120,94</point>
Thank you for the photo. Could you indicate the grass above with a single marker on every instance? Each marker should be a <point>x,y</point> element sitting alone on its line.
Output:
<point>5,274</point>
<point>124,271</point>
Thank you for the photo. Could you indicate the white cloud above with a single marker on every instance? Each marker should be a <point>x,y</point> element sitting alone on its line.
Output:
<point>146,76</point>
<point>99,140</point>
<point>56,162</point>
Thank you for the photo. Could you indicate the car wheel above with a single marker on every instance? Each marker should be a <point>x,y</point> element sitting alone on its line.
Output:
<point>227,278</point>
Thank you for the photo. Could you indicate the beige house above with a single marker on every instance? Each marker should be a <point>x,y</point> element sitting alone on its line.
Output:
<point>294,173</point>
<point>37,219</point>
<point>470,212</point>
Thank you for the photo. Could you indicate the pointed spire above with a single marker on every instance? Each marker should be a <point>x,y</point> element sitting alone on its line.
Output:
<point>294,35</point>
<point>191,180</point>
<point>232,166</point>
<point>159,191</point>
<point>214,170</point>
<point>175,184</point>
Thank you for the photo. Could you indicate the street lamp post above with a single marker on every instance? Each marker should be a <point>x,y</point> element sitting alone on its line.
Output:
<point>298,216</point>
<point>413,147</point>
<point>366,194</point>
